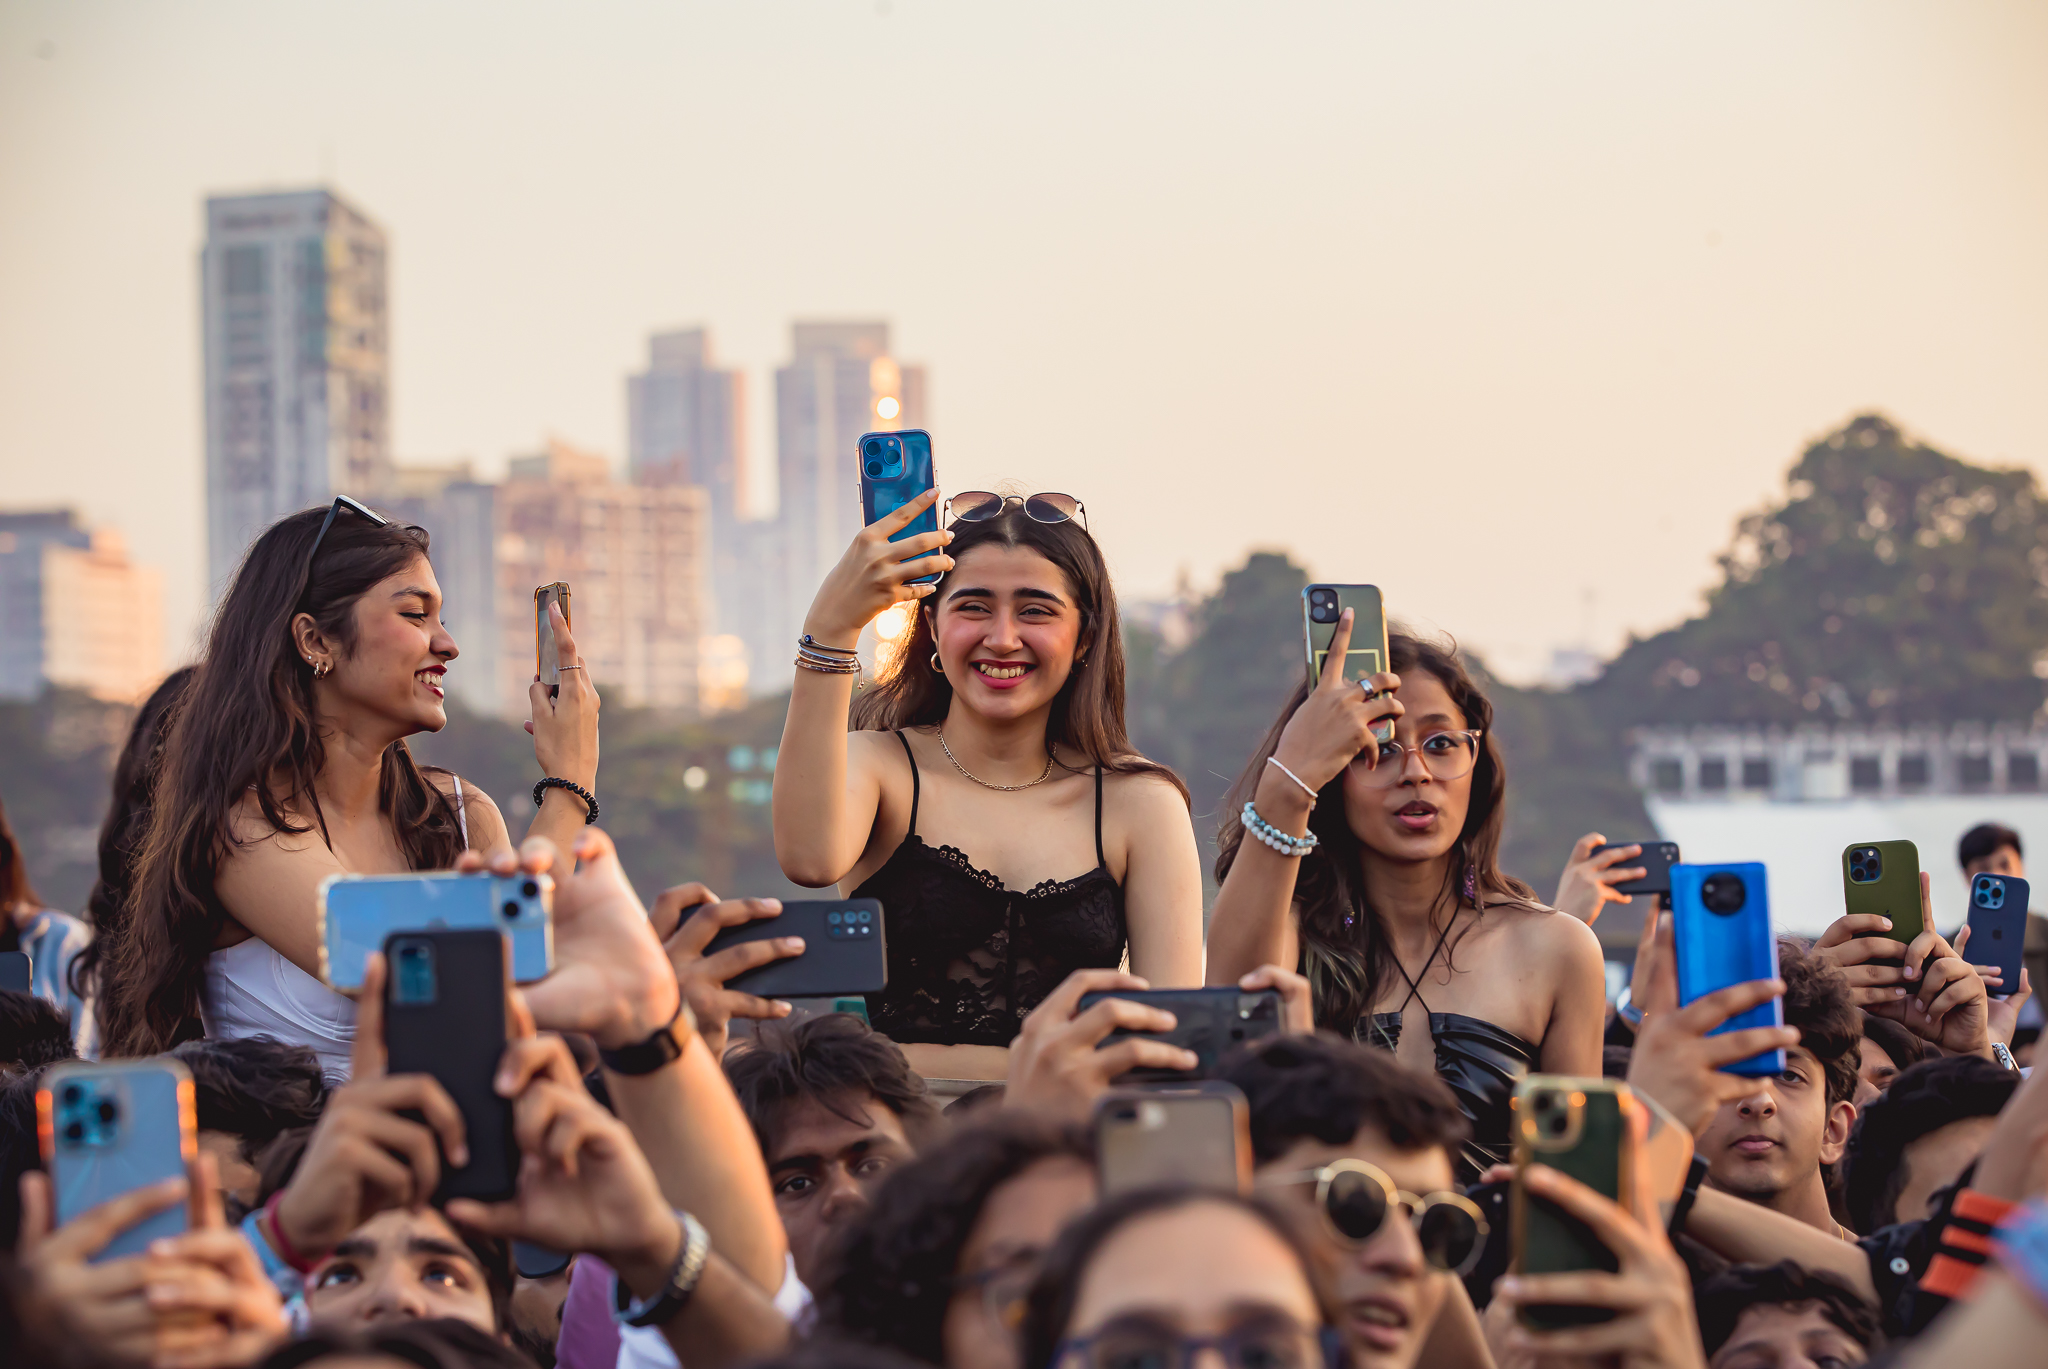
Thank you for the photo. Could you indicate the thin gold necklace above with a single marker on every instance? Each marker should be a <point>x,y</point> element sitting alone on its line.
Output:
<point>1002,788</point>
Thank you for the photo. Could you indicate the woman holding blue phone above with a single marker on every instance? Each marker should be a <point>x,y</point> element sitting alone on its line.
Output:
<point>1374,867</point>
<point>286,762</point>
<point>988,793</point>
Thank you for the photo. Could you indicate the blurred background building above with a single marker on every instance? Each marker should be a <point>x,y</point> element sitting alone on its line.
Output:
<point>75,611</point>
<point>294,306</point>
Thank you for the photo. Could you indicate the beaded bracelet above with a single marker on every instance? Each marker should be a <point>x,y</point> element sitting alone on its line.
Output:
<point>1280,841</point>
<point>540,791</point>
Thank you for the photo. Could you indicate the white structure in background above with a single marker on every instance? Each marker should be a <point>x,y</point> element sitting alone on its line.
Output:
<point>1794,798</point>
<point>75,611</point>
<point>297,343</point>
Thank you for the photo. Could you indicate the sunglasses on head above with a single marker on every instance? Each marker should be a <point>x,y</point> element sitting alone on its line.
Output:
<point>978,506</point>
<point>342,501</point>
<point>1354,1199</point>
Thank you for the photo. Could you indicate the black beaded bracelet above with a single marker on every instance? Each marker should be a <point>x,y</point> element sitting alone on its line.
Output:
<point>540,792</point>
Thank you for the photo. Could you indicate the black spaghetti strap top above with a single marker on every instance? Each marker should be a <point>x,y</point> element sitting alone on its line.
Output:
<point>968,958</point>
<point>1482,1063</point>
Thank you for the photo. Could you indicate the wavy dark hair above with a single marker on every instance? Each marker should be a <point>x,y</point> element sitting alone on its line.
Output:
<point>15,888</point>
<point>898,1266</point>
<point>1088,713</point>
<point>1348,965</point>
<point>248,724</point>
<point>135,774</point>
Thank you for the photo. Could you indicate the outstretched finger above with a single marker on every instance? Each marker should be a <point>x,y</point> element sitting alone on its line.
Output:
<point>906,513</point>
<point>1730,1047</point>
<point>366,1054</point>
<point>88,1233</point>
<point>1611,1223</point>
<point>1141,1052</point>
<point>1340,645</point>
<point>1704,1014</point>
<point>1119,1014</point>
<point>703,926</point>
<point>671,905</point>
<point>565,645</point>
<point>735,961</point>
<point>1850,926</point>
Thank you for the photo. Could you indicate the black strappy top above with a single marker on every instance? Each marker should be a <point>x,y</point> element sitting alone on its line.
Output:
<point>969,958</point>
<point>1482,1063</point>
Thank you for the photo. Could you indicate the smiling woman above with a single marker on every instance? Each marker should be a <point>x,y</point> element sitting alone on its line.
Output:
<point>287,763</point>
<point>989,795</point>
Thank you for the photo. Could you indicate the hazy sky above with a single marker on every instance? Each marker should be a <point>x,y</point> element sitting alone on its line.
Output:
<point>1494,305</point>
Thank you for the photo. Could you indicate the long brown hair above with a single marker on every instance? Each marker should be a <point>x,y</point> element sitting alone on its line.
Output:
<point>15,888</point>
<point>1345,950</point>
<point>1088,713</point>
<point>248,725</point>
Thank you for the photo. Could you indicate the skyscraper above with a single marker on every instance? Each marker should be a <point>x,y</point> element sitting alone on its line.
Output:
<point>75,611</point>
<point>685,426</point>
<point>297,373</point>
<point>841,382</point>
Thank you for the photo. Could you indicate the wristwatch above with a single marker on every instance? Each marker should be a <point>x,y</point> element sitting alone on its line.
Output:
<point>1625,1007</point>
<point>682,1281</point>
<point>1687,1196</point>
<point>2004,1056</point>
<point>664,1046</point>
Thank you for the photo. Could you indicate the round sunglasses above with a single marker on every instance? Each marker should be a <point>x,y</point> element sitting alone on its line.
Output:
<point>1354,1199</point>
<point>978,506</point>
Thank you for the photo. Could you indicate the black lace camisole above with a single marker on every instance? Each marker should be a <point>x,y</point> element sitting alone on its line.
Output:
<point>968,958</point>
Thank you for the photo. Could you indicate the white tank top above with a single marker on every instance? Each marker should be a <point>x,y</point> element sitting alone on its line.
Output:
<point>251,990</point>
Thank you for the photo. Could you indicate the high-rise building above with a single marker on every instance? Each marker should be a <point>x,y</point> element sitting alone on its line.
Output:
<point>460,515</point>
<point>841,382</point>
<point>297,377</point>
<point>75,611</point>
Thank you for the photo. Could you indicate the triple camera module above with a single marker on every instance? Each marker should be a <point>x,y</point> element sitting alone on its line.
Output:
<point>1723,893</point>
<point>1988,892</point>
<point>87,1113</point>
<point>1323,606</point>
<point>882,457</point>
<point>1866,864</point>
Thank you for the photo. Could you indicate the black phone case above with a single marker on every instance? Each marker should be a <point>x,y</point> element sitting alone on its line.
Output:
<point>1656,861</point>
<point>845,950</point>
<point>1209,1022</point>
<point>459,1038</point>
<point>17,971</point>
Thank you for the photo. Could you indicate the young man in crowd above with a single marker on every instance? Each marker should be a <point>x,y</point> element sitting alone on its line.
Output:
<point>1774,1145</point>
<point>1920,1135</point>
<point>835,1107</point>
<point>1780,1316</point>
<point>1887,1049</point>
<point>1317,1100</point>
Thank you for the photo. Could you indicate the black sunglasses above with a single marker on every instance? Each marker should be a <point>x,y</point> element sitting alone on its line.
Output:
<point>342,501</point>
<point>978,506</point>
<point>1354,1199</point>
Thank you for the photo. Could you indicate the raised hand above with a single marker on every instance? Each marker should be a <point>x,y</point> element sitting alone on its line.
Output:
<point>1587,885</point>
<point>2003,1013</point>
<point>703,977</point>
<point>1874,964</point>
<point>1297,1000</point>
<point>1946,1001</point>
<point>564,726</point>
<point>1677,1063</point>
<point>1333,725</point>
<point>874,574</point>
<point>217,1309</point>
<point>1055,1067</point>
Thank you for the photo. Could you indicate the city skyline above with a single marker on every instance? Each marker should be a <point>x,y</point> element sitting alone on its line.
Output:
<point>1592,276</point>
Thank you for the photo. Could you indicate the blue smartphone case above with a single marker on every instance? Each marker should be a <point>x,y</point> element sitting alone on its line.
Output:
<point>111,1128</point>
<point>896,468</point>
<point>358,911</point>
<point>1718,947</point>
<point>1998,927</point>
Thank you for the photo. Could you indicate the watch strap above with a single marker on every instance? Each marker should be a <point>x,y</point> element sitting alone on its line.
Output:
<point>691,1257</point>
<point>656,1052</point>
<point>2003,1056</point>
<point>1687,1196</point>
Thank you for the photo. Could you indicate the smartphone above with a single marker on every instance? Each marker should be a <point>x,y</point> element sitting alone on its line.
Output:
<point>1883,877</point>
<point>1584,1128</point>
<point>1721,932</point>
<point>1208,1022</point>
<point>1998,926</point>
<point>357,912</point>
<point>547,658</point>
<point>896,468</point>
<point>1367,655</point>
<point>444,1015</point>
<point>111,1127</point>
<point>1199,1135</point>
<point>1655,862</point>
<point>17,971</point>
<point>845,950</point>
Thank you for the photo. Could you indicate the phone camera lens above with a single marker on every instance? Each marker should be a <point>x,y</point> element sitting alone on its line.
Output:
<point>72,1093</point>
<point>875,447</point>
<point>107,1111</point>
<point>1544,1101</point>
<point>74,1131</point>
<point>832,919</point>
<point>511,907</point>
<point>1556,1123</point>
<point>531,888</point>
<point>1724,894</point>
<point>874,469</point>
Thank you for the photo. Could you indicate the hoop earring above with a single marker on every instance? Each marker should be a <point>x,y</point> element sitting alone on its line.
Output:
<point>937,668</point>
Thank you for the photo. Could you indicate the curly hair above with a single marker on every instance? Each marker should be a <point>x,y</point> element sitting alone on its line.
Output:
<point>254,1088</point>
<point>1329,1088</point>
<point>1727,1295</point>
<point>1922,1100</point>
<point>1830,1025</point>
<point>894,1273</point>
<point>824,1059</point>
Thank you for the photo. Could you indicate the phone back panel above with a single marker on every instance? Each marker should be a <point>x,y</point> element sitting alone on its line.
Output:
<point>17,971</point>
<point>1895,893</point>
<point>1367,654</point>
<point>896,468</point>
<point>547,657</point>
<point>1209,1022</point>
<point>1199,1135</point>
<point>110,1128</point>
<point>1998,927</point>
<point>1596,1148</point>
<point>845,950</point>
<point>444,1015</point>
<point>1717,949</point>
<point>357,913</point>
<point>1655,862</point>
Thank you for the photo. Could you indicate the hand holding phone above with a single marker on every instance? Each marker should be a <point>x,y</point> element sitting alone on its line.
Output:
<point>1587,1130</point>
<point>1060,1065</point>
<point>445,1016</point>
<point>844,951</point>
<point>117,1129</point>
<point>547,652</point>
<point>1882,879</point>
<point>1340,721</point>
<point>1207,1023</point>
<point>1996,933</point>
<point>357,912</point>
<point>895,468</point>
<point>1198,1135</point>
<point>1721,936</point>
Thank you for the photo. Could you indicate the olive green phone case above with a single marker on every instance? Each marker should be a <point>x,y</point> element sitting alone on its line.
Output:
<point>1579,1127</point>
<point>1883,878</point>
<point>1320,607</point>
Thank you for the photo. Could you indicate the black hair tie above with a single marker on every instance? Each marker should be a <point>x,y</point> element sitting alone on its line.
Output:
<point>540,792</point>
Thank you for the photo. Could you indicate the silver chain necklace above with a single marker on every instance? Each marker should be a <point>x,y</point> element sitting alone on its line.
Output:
<point>1003,788</point>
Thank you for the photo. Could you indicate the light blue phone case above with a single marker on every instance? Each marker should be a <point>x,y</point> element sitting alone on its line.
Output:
<point>1717,949</point>
<point>111,1128</point>
<point>358,911</point>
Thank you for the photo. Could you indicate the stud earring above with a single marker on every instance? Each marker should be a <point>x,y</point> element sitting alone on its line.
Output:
<point>937,668</point>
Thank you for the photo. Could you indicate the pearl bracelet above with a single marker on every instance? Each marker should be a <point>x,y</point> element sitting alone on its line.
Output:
<point>1272,836</point>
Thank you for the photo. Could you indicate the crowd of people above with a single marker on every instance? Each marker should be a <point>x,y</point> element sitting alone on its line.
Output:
<point>714,1179</point>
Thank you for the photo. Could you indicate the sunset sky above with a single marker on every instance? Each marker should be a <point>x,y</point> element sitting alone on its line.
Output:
<point>1511,309</point>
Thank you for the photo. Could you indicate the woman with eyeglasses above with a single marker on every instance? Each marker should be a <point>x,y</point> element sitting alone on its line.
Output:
<point>1159,1275</point>
<point>286,763</point>
<point>1374,865</point>
<point>988,793</point>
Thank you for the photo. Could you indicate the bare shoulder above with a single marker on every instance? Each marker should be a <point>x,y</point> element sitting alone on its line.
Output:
<point>250,827</point>
<point>1542,930</point>
<point>480,812</point>
<point>1146,794</point>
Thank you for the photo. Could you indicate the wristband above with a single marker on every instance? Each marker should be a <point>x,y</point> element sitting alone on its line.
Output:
<point>676,1290</point>
<point>540,792</point>
<point>1299,782</point>
<point>1965,1243</point>
<point>1272,836</point>
<point>273,1232</point>
<point>656,1052</point>
<point>1687,1196</point>
<point>2021,1245</point>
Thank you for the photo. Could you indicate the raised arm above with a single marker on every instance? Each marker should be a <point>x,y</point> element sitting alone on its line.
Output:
<point>1578,1006</point>
<point>1162,885</point>
<point>1253,921</point>
<point>824,806</point>
<point>564,730</point>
